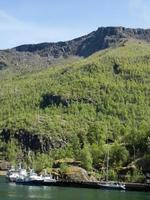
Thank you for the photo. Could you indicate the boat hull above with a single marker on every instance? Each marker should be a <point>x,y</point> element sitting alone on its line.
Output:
<point>32,182</point>
<point>111,187</point>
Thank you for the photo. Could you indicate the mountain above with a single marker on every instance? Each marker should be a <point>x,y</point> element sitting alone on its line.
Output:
<point>88,44</point>
<point>34,57</point>
<point>74,109</point>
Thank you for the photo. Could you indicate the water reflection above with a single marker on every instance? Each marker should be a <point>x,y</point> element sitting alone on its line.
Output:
<point>19,192</point>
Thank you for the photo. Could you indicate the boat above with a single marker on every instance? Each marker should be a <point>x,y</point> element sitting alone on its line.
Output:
<point>13,174</point>
<point>47,178</point>
<point>109,184</point>
<point>112,186</point>
<point>21,176</point>
<point>30,178</point>
<point>34,176</point>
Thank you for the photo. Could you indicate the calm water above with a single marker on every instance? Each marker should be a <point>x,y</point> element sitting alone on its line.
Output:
<point>15,192</point>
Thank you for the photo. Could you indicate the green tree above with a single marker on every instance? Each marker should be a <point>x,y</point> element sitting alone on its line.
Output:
<point>42,161</point>
<point>118,154</point>
<point>12,151</point>
<point>86,158</point>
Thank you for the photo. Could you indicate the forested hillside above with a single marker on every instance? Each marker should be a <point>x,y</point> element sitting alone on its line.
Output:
<point>80,110</point>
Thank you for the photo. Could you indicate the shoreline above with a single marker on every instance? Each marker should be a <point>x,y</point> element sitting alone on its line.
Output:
<point>139,187</point>
<point>3,172</point>
<point>94,185</point>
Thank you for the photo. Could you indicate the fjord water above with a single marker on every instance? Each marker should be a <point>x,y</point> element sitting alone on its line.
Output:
<point>10,191</point>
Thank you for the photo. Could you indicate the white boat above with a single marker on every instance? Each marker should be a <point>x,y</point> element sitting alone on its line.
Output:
<point>108,184</point>
<point>47,178</point>
<point>29,178</point>
<point>21,176</point>
<point>34,176</point>
<point>112,186</point>
<point>13,174</point>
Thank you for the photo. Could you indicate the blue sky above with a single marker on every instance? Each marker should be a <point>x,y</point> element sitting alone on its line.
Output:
<point>34,21</point>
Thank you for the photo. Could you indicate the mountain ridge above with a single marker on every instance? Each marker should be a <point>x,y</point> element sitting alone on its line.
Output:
<point>104,36</point>
<point>34,57</point>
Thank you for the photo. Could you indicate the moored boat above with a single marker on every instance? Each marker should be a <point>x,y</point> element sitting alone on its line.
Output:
<point>47,178</point>
<point>13,174</point>
<point>109,184</point>
<point>112,186</point>
<point>31,178</point>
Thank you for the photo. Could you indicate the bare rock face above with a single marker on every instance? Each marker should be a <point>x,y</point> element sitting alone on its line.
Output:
<point>102,38</point>
<point>77,174</point>
<point>4,165</point>
<point>32,57</point>
<point>32,141</point>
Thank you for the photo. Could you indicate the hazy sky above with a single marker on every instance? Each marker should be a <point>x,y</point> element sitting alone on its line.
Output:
<point>34,21</point>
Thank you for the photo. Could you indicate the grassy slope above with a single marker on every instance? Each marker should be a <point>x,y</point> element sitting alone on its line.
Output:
<point>103,103</point>
<point>17,63</point>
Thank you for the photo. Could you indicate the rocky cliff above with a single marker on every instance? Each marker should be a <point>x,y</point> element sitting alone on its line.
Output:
<point>33,57</point>
<point>86,45</point>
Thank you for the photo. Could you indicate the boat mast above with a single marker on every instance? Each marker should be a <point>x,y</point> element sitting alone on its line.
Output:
<point>107,164</point>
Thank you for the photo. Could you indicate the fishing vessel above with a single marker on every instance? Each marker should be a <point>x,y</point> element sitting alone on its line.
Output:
<point>14,173</point>
<point>33,178</point>
<point>30,178</point>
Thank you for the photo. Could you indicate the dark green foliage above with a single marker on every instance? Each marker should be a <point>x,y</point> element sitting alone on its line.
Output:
<point>13,152</point>
<point>118,155</point>
<point>86,158</point>
<point>117,68</point>
<point>3,65</point>
<point>42,161</point>
<point>98,154</point>
<point>50,99</point>
<point>135,176</point>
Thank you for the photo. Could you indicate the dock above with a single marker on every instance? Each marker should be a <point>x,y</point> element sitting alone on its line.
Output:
<point>93,185</point>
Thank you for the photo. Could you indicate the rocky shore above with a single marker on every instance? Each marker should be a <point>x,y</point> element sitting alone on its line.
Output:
<point>3,173</point>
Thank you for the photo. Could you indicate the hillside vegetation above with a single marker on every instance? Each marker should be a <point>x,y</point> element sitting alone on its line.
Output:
<point>89,106</point>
